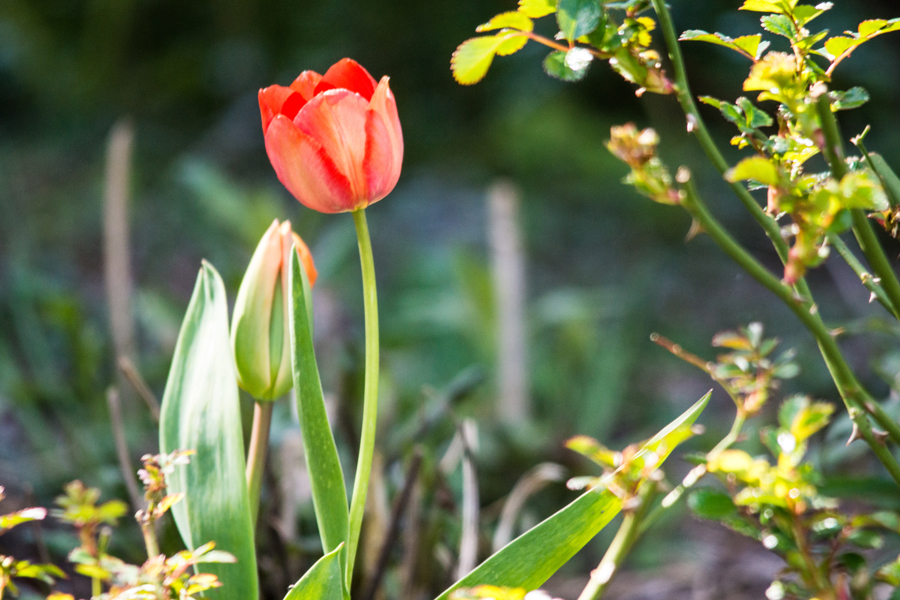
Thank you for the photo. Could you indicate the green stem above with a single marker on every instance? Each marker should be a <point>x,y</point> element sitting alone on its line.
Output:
<point>256,455</point>
<point>698,126</point>
<point>851,391</point>
<point>147,529</point>
<point>370,392</point>
<point>862,227</point>
<point>865,277</point>
<point>628,533</point>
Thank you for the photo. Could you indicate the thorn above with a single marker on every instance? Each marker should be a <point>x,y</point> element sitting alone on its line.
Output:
<point>872,297</point>
<point>691,123</point>
<point>879,435</point>
<point>813,309</point>
<point>695,230</point>
<point>854,435</point>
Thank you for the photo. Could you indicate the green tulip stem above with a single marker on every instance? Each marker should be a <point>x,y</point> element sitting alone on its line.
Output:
<point>370,392</point>
<point>256,456</point>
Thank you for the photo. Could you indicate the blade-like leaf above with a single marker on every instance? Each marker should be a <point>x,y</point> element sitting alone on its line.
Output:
<point>529,560</point>
<point>201,412</point>
<point>323,581</point>
<point>324,466</point>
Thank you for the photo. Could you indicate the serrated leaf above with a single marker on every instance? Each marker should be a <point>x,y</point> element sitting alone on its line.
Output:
<point>729,111</point>
<point>512,20</point>
<point>472,59</point>
<point>749,43</point>
<point>755,168</point>
<point>556,65</point>
<point>323,581</point>
<point>779,25</point>
<point>201,412</point>
<point>322,462</point>
<point>754,116</point>
<point>767,6</point>
<point>838,45</point>
<point>529,560</point>
<point>577,17</point>
<point>711,504</point>
<point>867,28</point>
<point>537,8</point>
<point>511,43</point>
<point>805,13</point>
<point>852,98</point>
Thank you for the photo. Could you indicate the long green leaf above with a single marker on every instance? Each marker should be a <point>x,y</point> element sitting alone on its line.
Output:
<point>325,475</point>
<point>201,412</point>
<point>529,560</point>
<point>324,581</point>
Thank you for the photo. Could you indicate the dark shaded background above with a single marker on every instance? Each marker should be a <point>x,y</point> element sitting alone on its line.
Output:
<point>605,267</point>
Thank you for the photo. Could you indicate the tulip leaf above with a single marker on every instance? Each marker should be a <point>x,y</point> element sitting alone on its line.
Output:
<point>201,412</point>
<point>323,581</point>
<point>322,461</point>
<point>529,560</point>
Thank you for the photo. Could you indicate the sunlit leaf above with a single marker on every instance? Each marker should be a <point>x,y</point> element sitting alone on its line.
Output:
<point>201,412</point>
<point>755,168</point>
<point>512,20</point>
<point>768,6</point>
<point>511,43</point>
<point>746,45</point>
<point>852,98</point>
<point>472,59</point>
<point>838,45</point>
<point>711,504</point>
<point>537,8</point>
<point>529,560</point>
<point>869,27</point>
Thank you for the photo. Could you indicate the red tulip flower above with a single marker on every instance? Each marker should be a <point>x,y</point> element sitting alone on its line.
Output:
<point>335,139</point>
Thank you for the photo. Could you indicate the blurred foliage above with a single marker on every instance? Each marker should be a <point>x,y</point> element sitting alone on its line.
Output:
<point>604,268</point>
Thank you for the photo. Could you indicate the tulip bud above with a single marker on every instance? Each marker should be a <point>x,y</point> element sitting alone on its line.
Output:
<point>259,332</point>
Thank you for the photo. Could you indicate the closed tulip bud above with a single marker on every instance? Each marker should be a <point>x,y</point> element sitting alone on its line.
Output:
<point>334,139</point>
<point>259,332</point>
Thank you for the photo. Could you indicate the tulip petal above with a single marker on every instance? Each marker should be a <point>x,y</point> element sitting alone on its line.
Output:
<point>251,322</point>
<point>348,74</point>
<point>337,120</point>
<point>305,85</point>
<point>305,169</point>
<point>277,100</point>
<point>384,143</point>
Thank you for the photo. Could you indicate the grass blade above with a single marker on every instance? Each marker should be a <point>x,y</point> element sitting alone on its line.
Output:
<point>529,560</point>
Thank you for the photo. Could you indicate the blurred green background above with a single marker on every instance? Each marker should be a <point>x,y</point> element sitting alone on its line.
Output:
<point>604,267</point>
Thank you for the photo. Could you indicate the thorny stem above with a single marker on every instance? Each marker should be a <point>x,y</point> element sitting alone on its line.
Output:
<point>256,455</point>
<point>853,394</point>
<point>862,227</point>
<point>628,533</point>
<point>370,390</point>
<point>147,528</point>
<point>866,278</point>
<point>698,126</point>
